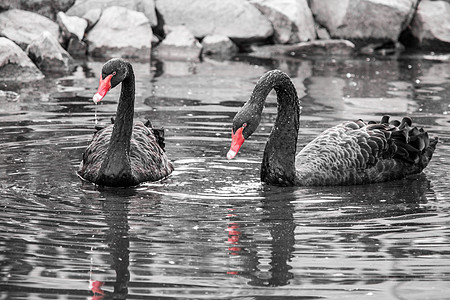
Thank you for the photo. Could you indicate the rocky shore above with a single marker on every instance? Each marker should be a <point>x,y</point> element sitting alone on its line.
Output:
<point>42,36</point>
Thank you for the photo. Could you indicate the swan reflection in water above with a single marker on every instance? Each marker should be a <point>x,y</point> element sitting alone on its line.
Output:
<point>115,210</point>
<point>246,257</point>
<point>291,229</point>
<point>278,246</point>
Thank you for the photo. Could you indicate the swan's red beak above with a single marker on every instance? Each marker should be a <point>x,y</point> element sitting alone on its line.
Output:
<point>103,88</point>
<point>237,139</point>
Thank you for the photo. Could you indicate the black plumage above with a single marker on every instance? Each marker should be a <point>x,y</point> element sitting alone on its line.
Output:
<point>353,152</point>
<point>124,153</point>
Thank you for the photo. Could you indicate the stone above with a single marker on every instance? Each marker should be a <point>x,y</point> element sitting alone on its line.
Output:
<point>48,54</point>
<point>71,26</point>
<point>121,32</point>
<point>76,47</point>
<point>179,44</point>
<point>237,19</point>
<point>292,20</point>
<point>431,24</point>
<point>303,49</point>
<point>81,7</point>
<point>387,48</point>
<point>72,33</point>
<point>47,8</point>
<point>219,45</point>
<point>364,19</point>
<point>92,16</point>
<point>15,65</point>
<point>322,33</point>
<point>23,27</point>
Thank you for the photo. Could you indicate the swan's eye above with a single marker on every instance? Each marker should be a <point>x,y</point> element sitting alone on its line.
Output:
<point>114,73</point>
<point>244,125</point>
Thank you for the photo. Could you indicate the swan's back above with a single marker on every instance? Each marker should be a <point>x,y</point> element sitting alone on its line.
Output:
<point>148,160</point>
<point>360,153</point>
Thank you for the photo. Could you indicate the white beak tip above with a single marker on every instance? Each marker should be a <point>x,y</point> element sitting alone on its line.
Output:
<point>97,97</point>
<point>231,154</point>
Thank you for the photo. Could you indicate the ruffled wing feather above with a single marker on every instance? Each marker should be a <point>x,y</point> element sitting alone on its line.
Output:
<point>360,152</point>
<point>148,159</point>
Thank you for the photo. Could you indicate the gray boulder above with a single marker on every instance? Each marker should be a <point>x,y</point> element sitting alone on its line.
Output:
<point>237,19</point>
<point>15,65</point>
<point>179,44</point>
<point>292,20</point>
<point>72,33</point>
<point>71,26</point>
<point>431,24</point>
<point>364,19</point>
<point>92,16</point>
<point>47,8</point>
<point>322,33</point>
<point>81,7</point>
<point>48,54</point>
<point>121,32</point>
<point>219,45</point>
<point>23,27</point>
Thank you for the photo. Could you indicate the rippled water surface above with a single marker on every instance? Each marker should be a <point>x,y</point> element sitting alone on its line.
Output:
<point>212,230</point>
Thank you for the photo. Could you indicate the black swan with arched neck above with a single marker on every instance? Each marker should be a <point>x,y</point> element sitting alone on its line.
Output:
<point>125,153</point>
<point>353,152</point>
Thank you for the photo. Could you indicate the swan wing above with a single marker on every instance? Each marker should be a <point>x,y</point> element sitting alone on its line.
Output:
<point>95,153</point>
<point>360,152</point>
<point>148,159</point>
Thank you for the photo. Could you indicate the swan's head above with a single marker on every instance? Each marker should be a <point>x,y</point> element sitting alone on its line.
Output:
<point>114,71</point>
<point>244,124</point>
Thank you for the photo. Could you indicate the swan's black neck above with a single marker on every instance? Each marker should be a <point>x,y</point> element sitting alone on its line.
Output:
<point>278,165</point>
<point>123,124</point>
<point>117,162</point>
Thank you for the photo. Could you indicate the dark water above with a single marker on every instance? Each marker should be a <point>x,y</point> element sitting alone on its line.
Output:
<point>212,230</point>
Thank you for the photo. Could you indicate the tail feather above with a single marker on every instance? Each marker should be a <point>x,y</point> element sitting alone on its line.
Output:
<point>428,152</point>
<point>158,133</point>
<point>408,143</point>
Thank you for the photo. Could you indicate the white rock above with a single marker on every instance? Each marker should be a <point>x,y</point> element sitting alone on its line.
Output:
<point>179,43</point>
<point>322,33</point>
<point>237,19</point>
<point>72,33</point>
<point>121,32</point>
<point>15,65</point>
<point>292,20</point>
<point>23,27</point>
<point>72,25</point>
<point>431,24</point>
<point>48,54</point>
<point>81,7</point>
<point>92,16</point>
<point>364,19</point>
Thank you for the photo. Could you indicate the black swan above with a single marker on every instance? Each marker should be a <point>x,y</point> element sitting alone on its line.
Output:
<point>124,153</point>
<point>347,154</point>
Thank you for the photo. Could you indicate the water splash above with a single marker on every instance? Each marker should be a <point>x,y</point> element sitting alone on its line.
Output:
<point>95,114</point>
